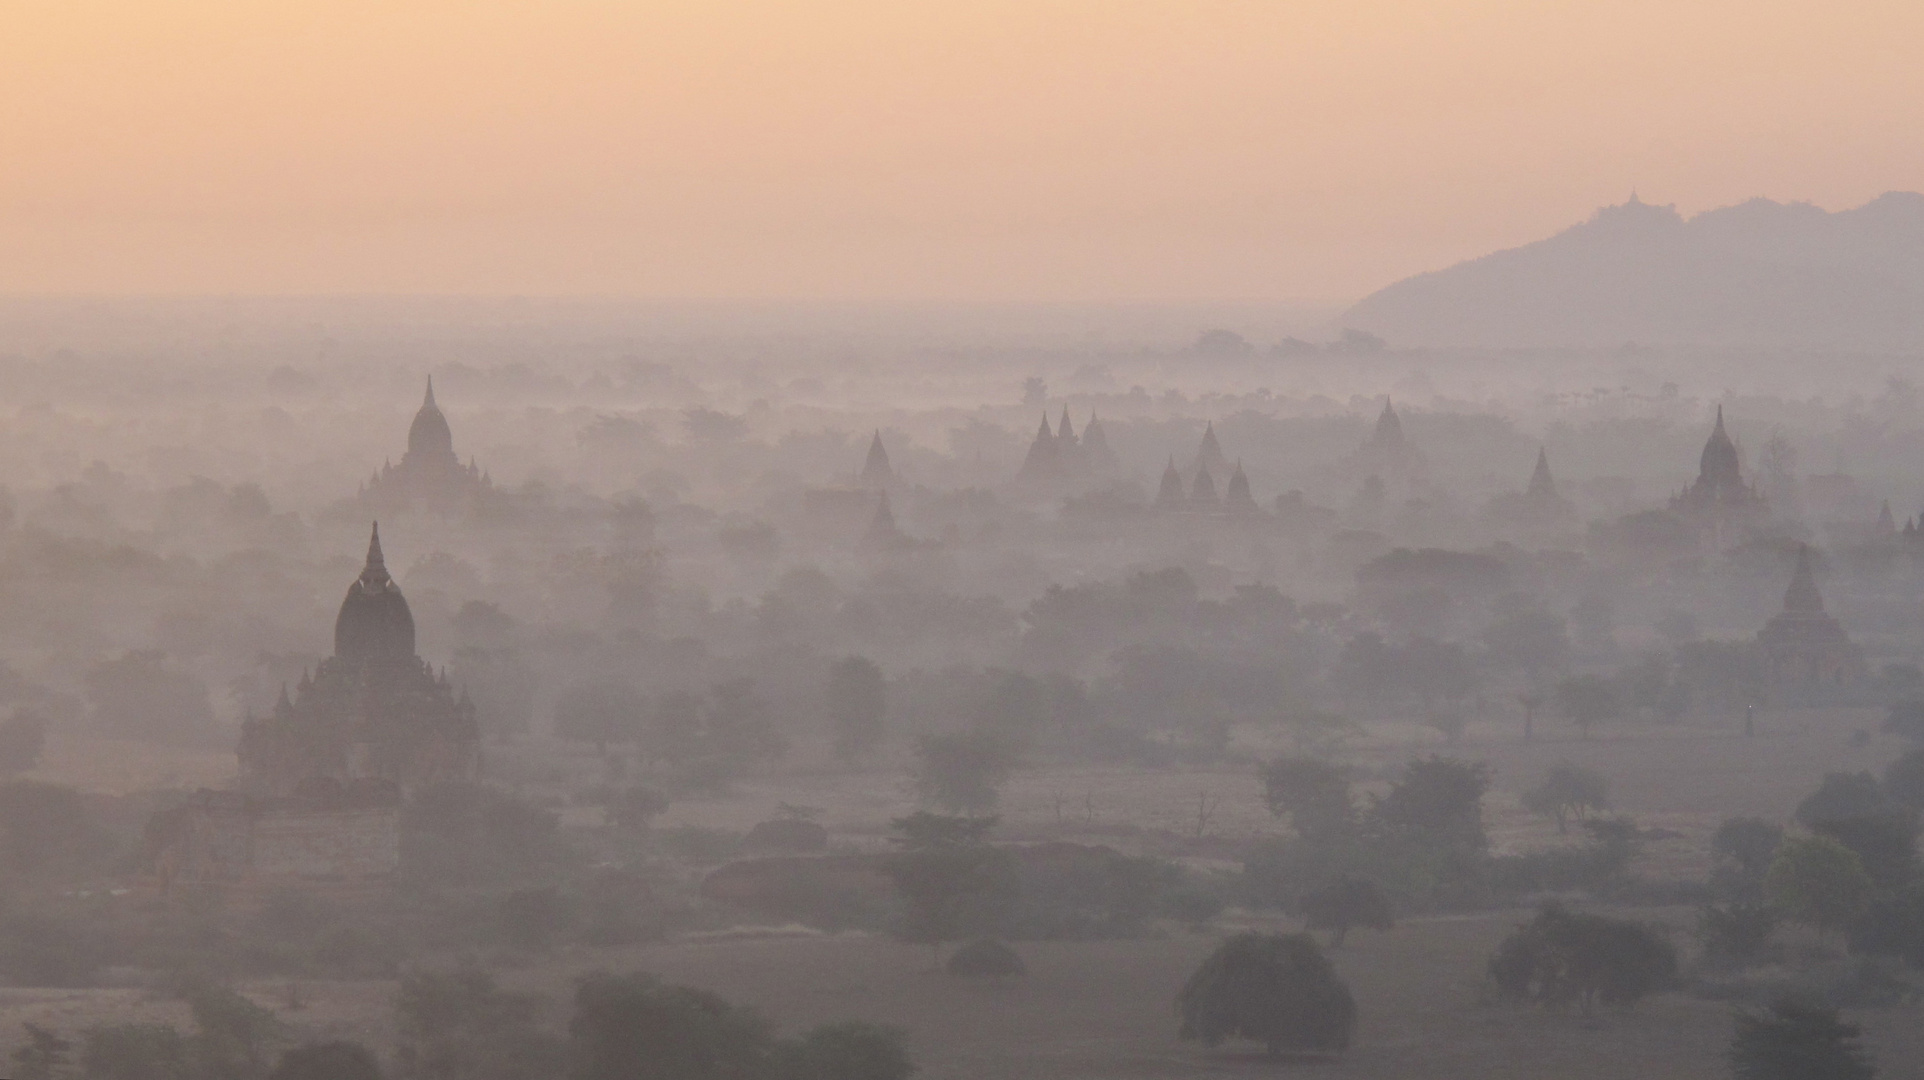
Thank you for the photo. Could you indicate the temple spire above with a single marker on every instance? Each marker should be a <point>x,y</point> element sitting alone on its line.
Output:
<point>374,559</point>
<point>1802,596</point>
<point>428,402</point>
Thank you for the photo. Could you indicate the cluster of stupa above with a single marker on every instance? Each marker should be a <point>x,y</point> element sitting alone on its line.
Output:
<point>1058,455</point>
<point>1198,494</point>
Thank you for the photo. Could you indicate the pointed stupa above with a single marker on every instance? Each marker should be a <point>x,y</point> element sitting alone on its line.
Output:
<point>1720,483</point>
<point>1805,645</point>
<point>374,623</point>
<point>429,435</point>
<point>1886,523</point>
<point>1209,456</point>
<point>1802,598</point>
<point>1170,496</point>
<point>1202,493</point>
<point>1542,488</point>
<point>1389,428</point>
<point>1095,448</point>
<point>876,471</point>
<point>882,530</point>
<point>1065,432</point>
<point>1237,497</point>
<point>1044,456</point>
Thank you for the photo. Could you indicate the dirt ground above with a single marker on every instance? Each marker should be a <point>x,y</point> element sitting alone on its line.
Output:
<point>1089,1010</point>
<point>1105,1009</point>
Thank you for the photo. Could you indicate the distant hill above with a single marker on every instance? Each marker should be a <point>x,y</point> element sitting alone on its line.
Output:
<point>1760,273</point>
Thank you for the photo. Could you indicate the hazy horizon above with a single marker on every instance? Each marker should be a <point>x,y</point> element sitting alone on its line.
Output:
<point>1062,152</point>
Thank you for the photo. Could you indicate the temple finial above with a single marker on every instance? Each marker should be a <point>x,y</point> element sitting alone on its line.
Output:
<point>374,559</point>
<point>428,402</point>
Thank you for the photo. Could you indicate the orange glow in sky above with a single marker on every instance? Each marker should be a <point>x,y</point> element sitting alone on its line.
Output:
<point>1111,149</point>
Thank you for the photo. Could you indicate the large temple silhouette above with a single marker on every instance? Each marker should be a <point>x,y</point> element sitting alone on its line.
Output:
<point>374,711</point>
<point>430,476</point>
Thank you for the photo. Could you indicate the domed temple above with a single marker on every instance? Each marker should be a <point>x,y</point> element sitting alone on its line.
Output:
<point>430,476</point>
<point>373,710</point>
<point>1720,503</point>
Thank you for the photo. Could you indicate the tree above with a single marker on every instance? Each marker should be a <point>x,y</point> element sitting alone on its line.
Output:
<point>336,1060</point>
<point>1314,794</point>
<point>1439,798</point>
<point>1743,849</point>
<point>846,1051</point>
<point>1905,719</point>
<point>1345,903</point>
<point>46,829</point>
<point>1818,881</point>
<point>23,736</point>
<point>963,772</point>
<point>1797,1040</point>
<point>634,808</point>
<point>1527,637</point>
<point>1569,791</point>
<point>1588,700</point>
<point>233,1034</point>
<point>458,1025</point>
<point>1904,780</point>
<point>44,1056</point>
<point>1885,843</point>
<point>986,958</point>
<point>951,881</point>
<point>1275,989</point>
<point>600,713</point>
<point>1563,956</point>
<point>135,1052</point>
<point>139,696</point>
<point>1842,795</point>
<point>1735,935</point>
<point>857,702</point>
<point>633,1027</point>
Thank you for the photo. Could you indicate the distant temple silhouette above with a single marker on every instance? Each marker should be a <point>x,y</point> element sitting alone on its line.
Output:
<point>1539,505</point>
<point>1719,504</point>
<point>374,711</point>
<point>1806,646</point>
<point>1057,458</point>
<point>1198,495</point>
<point>430,477</point>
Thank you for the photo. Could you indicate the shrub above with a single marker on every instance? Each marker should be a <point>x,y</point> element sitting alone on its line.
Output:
<point>847,1051</point>
<point>986,958</point>
<point>337,1060</point>
<point>1818,881</point>
<point>1797,1040</point>
<point>632,1027</point>
<point>1735,935</point>
<point>1344,903</point>
<point>1569,791</point>
<point>1743,849</point>
<point>1312,793</point>
<point>1563,956</point>
<point>1276,989</point>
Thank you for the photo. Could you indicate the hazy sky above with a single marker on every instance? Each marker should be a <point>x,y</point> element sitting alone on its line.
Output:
<point>1291,149</point>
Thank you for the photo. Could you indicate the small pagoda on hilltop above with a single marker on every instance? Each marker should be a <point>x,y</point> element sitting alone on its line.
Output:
<point>373,710</point>
<point>1805,645</point>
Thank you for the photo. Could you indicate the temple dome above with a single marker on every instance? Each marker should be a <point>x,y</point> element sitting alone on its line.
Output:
<point>375,623</point>
<point>429,435</point>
